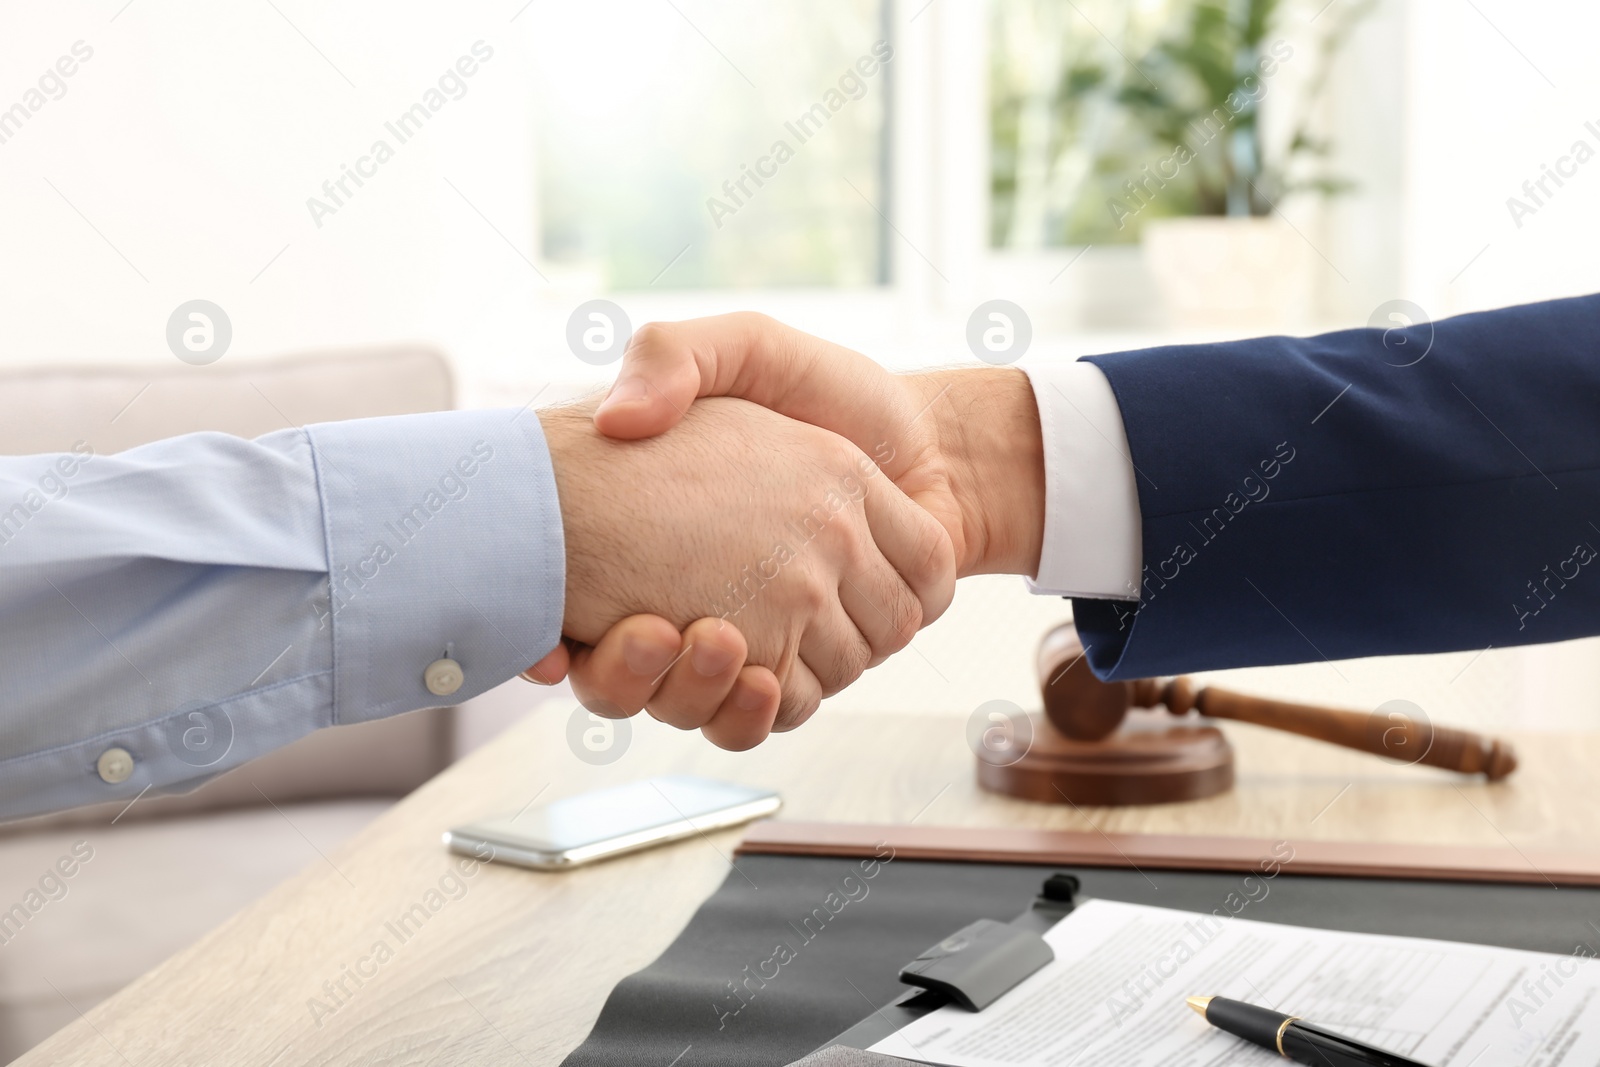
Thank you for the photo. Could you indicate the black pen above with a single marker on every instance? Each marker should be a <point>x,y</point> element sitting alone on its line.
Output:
<point>1292,1037</point>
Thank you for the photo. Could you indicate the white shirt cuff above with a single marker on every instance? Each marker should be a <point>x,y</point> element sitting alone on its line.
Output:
<point>1092,544</point>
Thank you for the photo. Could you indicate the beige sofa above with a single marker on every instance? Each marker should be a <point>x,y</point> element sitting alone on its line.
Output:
<point>167,869</point>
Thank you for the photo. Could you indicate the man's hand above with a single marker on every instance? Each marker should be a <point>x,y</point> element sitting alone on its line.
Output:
<point>782,529</point>
<point>964,444</point>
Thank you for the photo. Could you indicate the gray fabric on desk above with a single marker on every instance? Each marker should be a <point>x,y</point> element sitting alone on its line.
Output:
<point>678,1010</point>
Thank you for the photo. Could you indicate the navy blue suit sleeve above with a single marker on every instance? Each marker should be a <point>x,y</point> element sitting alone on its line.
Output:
<point>1428,489</point>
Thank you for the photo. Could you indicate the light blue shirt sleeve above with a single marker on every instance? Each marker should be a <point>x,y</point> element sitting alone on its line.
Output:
<point>170,612</point>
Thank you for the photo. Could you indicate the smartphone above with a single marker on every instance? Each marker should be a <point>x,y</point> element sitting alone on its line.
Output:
<point>609,822</point>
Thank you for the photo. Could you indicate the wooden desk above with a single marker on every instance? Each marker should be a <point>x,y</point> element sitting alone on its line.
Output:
<point>516,969</point>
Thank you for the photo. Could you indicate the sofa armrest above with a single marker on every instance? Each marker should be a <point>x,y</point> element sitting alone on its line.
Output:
<point>115,408</point>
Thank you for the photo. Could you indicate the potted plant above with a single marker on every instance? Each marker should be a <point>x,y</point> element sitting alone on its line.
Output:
<point>1168,150</point>
<point>1231,257</point>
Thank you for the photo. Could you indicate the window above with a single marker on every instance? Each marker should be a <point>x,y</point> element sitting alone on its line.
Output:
<point>712,146</point>
<point>1060,145</point>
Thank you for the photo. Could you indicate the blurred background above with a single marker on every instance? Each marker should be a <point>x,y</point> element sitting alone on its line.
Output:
<point>1127,172</point>
<point>1347,153</point>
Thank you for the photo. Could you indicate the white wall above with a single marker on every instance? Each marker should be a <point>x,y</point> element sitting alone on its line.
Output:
<point>1497,89</point>
<point>191,141</point>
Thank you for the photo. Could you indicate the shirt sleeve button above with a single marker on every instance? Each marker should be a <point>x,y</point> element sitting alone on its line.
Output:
<point>115,765</point>
<point>443,677</point>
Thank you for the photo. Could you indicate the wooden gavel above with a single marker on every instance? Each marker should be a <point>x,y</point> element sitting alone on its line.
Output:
<point>1084,708</point>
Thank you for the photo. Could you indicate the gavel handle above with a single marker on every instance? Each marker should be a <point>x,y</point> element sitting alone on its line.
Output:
<point>1397,737</point>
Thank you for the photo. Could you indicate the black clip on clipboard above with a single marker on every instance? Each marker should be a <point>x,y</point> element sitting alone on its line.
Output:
<point>971,968</point>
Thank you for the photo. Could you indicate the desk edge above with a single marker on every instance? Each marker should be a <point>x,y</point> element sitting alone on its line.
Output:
<point>1173,852</point>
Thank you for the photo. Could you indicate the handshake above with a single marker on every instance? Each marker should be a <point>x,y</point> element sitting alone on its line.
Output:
<point>754,516</point>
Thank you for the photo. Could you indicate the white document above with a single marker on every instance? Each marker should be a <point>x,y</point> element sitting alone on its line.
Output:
<point>1115,996</point>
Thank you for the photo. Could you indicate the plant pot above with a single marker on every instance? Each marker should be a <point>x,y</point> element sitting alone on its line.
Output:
<point>1230,273</point>
<point>1067,290</point>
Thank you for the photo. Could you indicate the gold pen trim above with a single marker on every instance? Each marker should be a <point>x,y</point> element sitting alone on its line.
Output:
<point>1281,1028</point>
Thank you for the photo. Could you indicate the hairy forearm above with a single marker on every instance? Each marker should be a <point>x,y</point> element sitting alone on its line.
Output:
<point>987,422</point>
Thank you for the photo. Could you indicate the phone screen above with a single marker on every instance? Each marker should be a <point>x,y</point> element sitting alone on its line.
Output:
<point>606,814</point>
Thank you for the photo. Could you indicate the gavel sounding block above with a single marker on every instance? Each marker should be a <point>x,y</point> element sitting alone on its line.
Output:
<point>1151,759</point>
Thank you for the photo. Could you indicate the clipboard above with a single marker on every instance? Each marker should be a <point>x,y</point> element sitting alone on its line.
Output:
<point>972,966</point>
<point>942,878</point>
